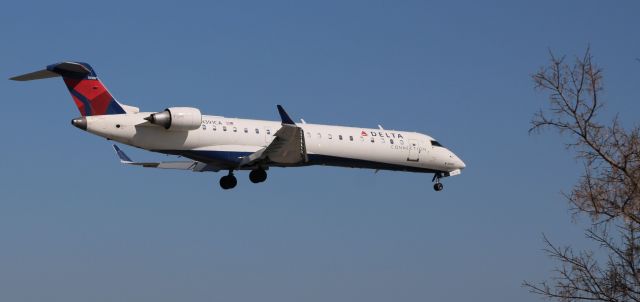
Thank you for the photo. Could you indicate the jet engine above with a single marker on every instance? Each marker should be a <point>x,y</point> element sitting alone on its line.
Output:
<point>177,118</point>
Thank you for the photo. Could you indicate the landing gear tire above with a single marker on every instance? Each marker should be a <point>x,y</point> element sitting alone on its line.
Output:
<point>228,182</point>
<point>437,186</point>
<point>258,175</point>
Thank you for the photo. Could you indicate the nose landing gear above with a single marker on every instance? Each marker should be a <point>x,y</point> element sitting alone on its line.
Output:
<point>228,181</point>
<point>438,185</point>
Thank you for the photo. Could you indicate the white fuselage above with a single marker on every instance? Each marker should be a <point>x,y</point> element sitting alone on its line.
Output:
<point>221,140</point>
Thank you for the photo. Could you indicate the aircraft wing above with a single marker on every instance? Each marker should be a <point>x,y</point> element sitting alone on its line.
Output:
<point>287,148</point>
<point>195,166</point>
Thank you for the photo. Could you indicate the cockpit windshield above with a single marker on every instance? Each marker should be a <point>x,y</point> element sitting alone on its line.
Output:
<point>436,144</point>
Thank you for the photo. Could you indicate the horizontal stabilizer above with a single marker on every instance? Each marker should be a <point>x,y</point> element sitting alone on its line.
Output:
<point>78,70</point>
<point>75,70</point>
<point>36,75</point>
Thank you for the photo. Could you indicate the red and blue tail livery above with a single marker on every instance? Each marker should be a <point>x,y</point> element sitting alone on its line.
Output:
<point>88,92</point>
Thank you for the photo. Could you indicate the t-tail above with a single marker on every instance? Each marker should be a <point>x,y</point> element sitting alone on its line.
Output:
<point>88,92</point>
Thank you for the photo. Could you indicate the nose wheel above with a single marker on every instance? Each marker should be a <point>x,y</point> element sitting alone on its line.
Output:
<point>228,181</point>
<point>438,186</point>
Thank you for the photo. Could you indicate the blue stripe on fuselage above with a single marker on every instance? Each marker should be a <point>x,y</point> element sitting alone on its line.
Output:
<point>231,159</point>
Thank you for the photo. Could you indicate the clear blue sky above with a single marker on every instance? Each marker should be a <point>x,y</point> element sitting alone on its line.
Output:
<point>77,226</point>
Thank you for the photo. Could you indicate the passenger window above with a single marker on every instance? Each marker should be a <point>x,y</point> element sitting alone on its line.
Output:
<point>268,131</point>
<point>246,130</point>
<point>329,136</point>
<point>350,137</point>
<point>373,140</point>
<point>340,136</point>
<point>319,135</point>
<point>213,127</point>
<point>224,128</point>
<point>391,141</point>
<point>204,127</point>
<point>257,131</point>
<point>235,129</point>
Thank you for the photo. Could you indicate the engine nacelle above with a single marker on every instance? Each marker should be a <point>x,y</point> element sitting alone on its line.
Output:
<point>177,118</point>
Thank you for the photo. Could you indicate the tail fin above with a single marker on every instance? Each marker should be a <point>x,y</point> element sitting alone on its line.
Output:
<point>87,91</point>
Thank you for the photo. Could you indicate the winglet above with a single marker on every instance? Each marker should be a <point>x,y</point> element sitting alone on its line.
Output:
<point>284,116</point>
<point>123,157</point>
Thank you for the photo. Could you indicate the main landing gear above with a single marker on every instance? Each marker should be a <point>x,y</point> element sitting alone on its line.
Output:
<point>229,181</point>
<point>258,175</point>
<point>438,185</point>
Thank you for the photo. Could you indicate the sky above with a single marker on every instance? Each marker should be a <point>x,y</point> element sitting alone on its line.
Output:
<point>75,225</point>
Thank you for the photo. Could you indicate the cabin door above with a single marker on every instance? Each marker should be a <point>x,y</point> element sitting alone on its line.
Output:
<point>414,150</point>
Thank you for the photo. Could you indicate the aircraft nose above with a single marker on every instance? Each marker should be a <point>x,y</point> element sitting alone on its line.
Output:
<point>457,162</point>
<point>460,164</point>
<point>80,123</point>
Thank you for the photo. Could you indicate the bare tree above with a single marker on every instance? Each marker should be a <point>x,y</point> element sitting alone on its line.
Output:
<point>607,193</point>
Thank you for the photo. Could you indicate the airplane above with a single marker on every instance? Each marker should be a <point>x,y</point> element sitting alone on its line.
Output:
<point>217,143</point>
